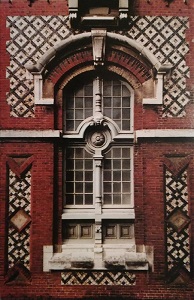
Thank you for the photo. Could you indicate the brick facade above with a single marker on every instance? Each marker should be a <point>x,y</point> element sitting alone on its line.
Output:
<point>40,55</point>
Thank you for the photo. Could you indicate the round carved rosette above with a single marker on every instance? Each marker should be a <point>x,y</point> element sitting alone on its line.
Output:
<point>98,139</point>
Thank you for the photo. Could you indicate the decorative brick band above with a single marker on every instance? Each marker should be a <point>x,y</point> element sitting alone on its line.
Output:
<point>19,218</point>
<point>98,278</point>
<point>177,220</point>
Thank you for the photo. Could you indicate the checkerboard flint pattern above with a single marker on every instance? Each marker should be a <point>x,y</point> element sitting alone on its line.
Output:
<point>32,36</point>
<point>165,38</point>
<point>98,278</point>
<point>19,203</point>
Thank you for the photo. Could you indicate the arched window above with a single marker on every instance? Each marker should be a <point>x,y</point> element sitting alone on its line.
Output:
<point>98,160</point>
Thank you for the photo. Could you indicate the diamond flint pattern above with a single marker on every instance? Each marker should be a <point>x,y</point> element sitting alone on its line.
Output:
<point>98,278</point>
<point>19,198</point>
<point>165,38</point>
<point>178,244</point>
<point>31,37</point>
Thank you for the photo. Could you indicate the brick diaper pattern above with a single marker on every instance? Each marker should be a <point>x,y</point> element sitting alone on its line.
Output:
<point>18,247</point>
<point>32,36</point>
<point>177,228</point>
<point>98,278</point>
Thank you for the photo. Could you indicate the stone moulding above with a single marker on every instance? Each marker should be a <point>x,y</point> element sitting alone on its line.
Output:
<point>39,69</point>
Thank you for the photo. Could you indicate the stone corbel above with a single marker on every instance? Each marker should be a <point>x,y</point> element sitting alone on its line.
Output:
<point>99,45</point>
<point>158,85</point>
<point>38,86</point>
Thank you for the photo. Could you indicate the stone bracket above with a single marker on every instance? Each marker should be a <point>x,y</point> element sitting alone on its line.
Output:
<point>99,45</point>
<point>158,87</point>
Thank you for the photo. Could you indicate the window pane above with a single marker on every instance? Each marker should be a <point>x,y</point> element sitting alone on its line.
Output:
<point>70,176</point>
<point>79,187</point>
<point>69,199</point>
<point>70,187</point>
<point>79,183</point>
<point>88,187</point>
<point>88,90</point>
<point>78,199</point>
<point>70,114</point>
<point>107,176</point>
<point>107,199</point>
<point>116,114</point>
<point>107,102</point>
<point>117,199</point>
<point>116,176</point>
<point>78,176</point>
<point>88,199</point>
<point>88,176</point>
<point>79,114</point>
<point>79,164</point>
<point>107,187</point>
<point>89,102</point>
<point>79,102</point>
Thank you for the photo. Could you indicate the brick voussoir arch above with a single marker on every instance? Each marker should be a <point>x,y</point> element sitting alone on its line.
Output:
<point>114,57</point>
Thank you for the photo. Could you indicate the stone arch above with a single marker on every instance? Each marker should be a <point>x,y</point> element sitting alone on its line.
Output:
<point>122,52</point>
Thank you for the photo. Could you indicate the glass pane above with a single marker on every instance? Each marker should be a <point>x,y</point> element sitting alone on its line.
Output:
<point>126,152</point>
<point>88,102</point>
<point>78,199</point>
<point>107,175</point>
<point>107,164</point>
<point>79,114</point>
<point>69,199</point>
<point>126,113</point>
<point>117,187</point>
<point>70,176</point>
<point>125,125</point>
<point>78,187</point>
<point>116,114</point>
<point>78,164</point>
<point>117,175</point>
<point>69,187</point>
<point>79,176</point>
<point>107,187</point>
<point>117,164</point>
<point>116,199</point>
<point>117,102</point>
<point>88,113</point>
<point>117,89</point>
<point>79,102</point>
<point>126,187</point>
<point>107,102</point>
<point>117,152</point>
<point>126,92</point>
<point>70,114</point>
<point>78,152</point>
<point>88,199</point>
<point>88,176</point>
<point>107,199</point>
<point>126,163</point>
<point>107,90</point>
<point>88,164</point>
<point>70,153</point>
<point>70,103</point>
<point>126,175</point>
<point>107,112</point>
<point>79,93</point>
<point>69,164</point>
<point>88,90</point>
<point>88,187</point>
<point>69,125</point>
<point>126,102</point>
<point>126,198</point>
